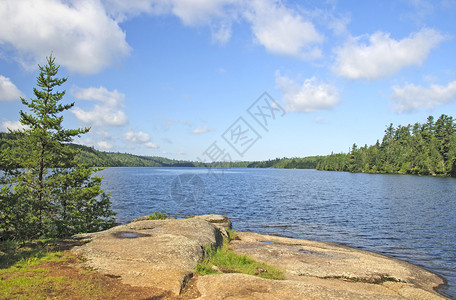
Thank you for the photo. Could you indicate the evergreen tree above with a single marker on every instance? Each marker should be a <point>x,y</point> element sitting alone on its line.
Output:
<point>423,149</point>
<point>44,191</point>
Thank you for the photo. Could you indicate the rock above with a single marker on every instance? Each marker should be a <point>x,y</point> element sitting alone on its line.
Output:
<point>241,286</point>
<point>223,223</point>
<point>143,218</point>
<point>164,253</point>
<point>157,253</point>
<point>218,220</point>
<point>322,270</point>
<point>260,270</point>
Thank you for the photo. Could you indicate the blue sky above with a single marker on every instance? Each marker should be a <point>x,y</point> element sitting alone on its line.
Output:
<point>178,78</point>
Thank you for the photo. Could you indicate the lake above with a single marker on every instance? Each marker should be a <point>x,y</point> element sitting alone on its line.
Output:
<point>407,217</point>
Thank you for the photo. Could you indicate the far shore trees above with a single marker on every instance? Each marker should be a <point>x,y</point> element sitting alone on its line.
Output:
<point>44,191</point>
<point>419,149</point>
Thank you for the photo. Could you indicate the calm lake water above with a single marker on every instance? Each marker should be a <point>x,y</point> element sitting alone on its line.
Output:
<point>407,217</point>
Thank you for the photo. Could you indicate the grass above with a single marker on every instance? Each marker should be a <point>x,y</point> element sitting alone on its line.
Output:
<point>224,260</point>
<point>40,270</point>
<point>231,234</point>
<point>22,273</point>
<point>44,270</point>
<point>19,256</point>
<point>159,215</point>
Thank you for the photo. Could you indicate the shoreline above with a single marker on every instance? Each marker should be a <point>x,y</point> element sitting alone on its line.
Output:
<point>164,253</point>
<point>436,289</point>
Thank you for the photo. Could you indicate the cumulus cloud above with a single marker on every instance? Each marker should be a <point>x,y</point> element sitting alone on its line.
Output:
<point>152,145</point>
<point>86,37</point>
<point>136,137</point>
<point>121,9</point>
<point>79,33</point>
<point>139,137</point>
<point>282,31</point>
<point>217,14</point>
<point>279,29</point>
<point>383,56</point>
<point>411,97</point>
<point>13,125</point>
<point>202,129</point>
<point>198,12</point>
<point>312,95</point>
<point>104,145</point>
<point>108,110</point>
<point>8,91</point>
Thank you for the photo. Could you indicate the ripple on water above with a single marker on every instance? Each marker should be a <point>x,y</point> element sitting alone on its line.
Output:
<point>408,217</point>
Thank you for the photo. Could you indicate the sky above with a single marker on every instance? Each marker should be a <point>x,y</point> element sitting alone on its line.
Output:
<point>212,80</point>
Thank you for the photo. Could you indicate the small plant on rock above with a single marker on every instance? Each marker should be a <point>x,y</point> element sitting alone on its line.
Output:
<point>225,260</point>
<point>159,215</point>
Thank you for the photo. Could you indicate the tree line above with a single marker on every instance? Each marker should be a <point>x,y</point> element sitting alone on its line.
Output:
<point>309,162</point>
<point>419,149</point>
<point>89,156</point>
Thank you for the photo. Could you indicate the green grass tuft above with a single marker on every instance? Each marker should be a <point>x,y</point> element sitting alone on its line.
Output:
<point>224,260</point>
<point>159,215</point>
<point>231,234</point>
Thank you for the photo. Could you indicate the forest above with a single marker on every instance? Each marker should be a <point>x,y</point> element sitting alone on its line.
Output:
<point>89,156</point>
<point>309,162</point>
<point>419,149</point>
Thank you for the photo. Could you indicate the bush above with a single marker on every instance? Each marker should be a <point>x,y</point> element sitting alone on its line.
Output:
<point>159,215</point>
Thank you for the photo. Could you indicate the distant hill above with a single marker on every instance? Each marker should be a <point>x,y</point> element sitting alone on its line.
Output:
<point>92,157</point>
<point>95,158</point>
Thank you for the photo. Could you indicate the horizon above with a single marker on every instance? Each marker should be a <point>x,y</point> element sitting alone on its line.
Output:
<point>231,79</point>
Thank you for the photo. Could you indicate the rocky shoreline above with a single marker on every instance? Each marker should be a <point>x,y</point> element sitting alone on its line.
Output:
<point>164,253</point>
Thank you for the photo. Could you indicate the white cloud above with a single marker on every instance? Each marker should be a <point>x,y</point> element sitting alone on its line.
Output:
<point>309,96</point>
<point>136,137</point>
<point>279,29</point>
<point>202,129</point>
<point>383,56</point>
<point>121,9</point>
<point>139,137</point>
<point>101,94</point>
<point>198,12</point>
<point>109,112</point>
<point>78,32</point>
<point>411,97</point>
<point>320,120</point>
<point>13,125</point>
<point>338,24</point>
<point>221,33</point>
<point>190,12</point>
<point>282,31</point>
<point>420,10</point>
<point>217,14</point>
<point>151,145</point>
<point>8,91</point>
<point>104,145</point>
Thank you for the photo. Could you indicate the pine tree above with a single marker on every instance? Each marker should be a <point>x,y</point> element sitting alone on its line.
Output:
<point>44,191</point>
